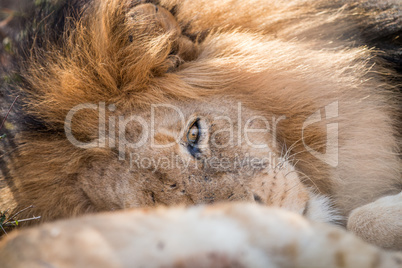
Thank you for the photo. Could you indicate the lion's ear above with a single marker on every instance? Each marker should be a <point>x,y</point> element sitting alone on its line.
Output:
<point>136,40</point>
<point>130,41</point>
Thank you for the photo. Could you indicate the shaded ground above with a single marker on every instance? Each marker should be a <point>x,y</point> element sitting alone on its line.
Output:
<point>12,15</point>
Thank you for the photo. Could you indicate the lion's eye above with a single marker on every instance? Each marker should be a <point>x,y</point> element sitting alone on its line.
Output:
<point>193,133</point>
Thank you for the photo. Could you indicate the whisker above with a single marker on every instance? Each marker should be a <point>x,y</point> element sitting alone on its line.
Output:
<point>305,177</point>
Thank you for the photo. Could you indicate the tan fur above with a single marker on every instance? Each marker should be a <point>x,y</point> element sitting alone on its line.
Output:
<point>267,57</point>
<point>229,235</point>
<point>379,222</point>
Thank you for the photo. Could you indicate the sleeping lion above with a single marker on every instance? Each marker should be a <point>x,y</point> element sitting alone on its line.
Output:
<point>142,104</point>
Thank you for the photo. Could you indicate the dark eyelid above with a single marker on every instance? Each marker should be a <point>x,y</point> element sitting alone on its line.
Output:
<point>192,146</point>
<point>195,123</point>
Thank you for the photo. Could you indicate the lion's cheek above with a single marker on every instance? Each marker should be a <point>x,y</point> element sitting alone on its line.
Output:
<point>109,188</point>
<point>280,188</point>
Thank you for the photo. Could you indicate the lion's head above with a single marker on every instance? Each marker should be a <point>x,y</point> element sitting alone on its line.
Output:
<point>132,111</point>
